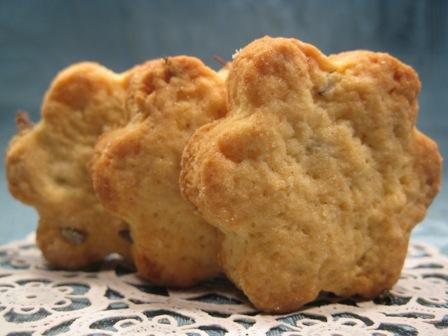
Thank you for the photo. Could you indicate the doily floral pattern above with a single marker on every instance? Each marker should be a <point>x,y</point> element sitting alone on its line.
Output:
<point>111,300</point>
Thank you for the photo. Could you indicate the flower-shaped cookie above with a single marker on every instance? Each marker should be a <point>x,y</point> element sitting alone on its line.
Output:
<point>135,169</point>
<point>46,166</point>
<point>316,176</point>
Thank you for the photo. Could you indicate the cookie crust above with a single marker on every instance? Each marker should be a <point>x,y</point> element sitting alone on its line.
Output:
<point>46,166</point>
<point>317,175</point>
<point>136,169</point>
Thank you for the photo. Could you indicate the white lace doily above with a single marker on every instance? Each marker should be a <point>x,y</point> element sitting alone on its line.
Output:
<point>111,300</point>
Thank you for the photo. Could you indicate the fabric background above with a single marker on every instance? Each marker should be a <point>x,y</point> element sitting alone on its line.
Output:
<point>39,38</point>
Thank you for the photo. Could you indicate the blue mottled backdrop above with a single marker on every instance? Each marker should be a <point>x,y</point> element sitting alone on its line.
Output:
<point>39,38</point>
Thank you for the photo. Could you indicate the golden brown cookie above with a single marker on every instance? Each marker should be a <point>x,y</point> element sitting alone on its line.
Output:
<point>316,176</point>
<point>136,168</point>
<point>46,166</point>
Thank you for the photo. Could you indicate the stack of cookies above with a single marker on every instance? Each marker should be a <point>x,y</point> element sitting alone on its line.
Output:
<point>290,172</point>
